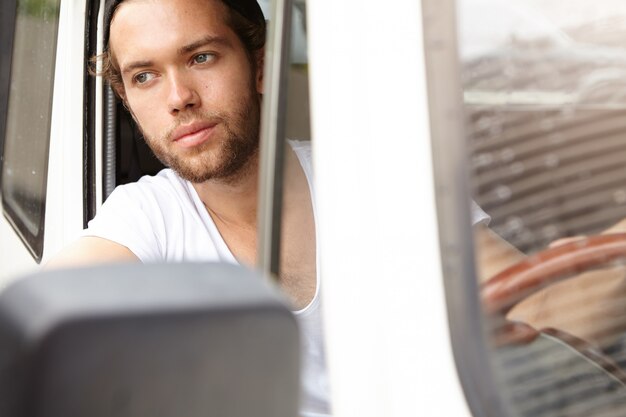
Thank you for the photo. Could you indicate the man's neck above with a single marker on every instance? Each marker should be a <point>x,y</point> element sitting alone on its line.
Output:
<point>234,200</point>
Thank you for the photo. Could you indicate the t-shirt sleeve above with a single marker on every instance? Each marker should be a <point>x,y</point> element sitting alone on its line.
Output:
<point>478,215</point>
<point>127,218</point>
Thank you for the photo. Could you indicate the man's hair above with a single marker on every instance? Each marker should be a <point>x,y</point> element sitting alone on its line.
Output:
<point>244,17</point>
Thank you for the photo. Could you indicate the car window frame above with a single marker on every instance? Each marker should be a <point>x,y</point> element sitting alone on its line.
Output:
<point>272,136</point>
<point>450,165</point>
<point>90,96</point>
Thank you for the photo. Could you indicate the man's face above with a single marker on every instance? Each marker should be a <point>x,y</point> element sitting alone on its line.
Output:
<point>189,84</point>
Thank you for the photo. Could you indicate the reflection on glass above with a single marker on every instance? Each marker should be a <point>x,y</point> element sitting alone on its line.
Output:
<point>544,87</point>
<point>28,122</point>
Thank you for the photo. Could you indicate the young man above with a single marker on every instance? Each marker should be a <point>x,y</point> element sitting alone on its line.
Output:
<point>191,74</point>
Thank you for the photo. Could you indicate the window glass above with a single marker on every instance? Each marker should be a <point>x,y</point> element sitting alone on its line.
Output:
<point>7,15</point>
<point>544,90</point>
<point>297,258</point>
<point>24,170</point>
<point>290,162</point>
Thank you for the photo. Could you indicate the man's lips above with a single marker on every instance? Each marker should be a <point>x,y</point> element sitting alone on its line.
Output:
<point>193,134</point>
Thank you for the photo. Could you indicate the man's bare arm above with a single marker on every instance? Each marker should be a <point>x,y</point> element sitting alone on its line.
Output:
<point>91,251</point>
<point>493,253</point>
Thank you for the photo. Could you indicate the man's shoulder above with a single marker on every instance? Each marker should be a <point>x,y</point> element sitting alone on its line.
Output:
<point>300,145</point>
<point>302,149</point>
<point>164,179</point>
<point>164,188</point>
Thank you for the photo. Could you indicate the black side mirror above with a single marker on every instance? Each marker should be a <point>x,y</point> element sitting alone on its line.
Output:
<point>175,340</point>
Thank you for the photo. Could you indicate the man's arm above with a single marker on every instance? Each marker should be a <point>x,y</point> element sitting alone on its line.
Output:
<point>493,254</point>
<point>591,297</point>
<point>90,251</point>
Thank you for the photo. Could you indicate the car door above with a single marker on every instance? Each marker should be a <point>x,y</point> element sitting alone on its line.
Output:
<point>50,129</point>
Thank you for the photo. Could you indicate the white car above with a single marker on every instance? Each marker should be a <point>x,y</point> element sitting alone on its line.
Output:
<point>378,87</point>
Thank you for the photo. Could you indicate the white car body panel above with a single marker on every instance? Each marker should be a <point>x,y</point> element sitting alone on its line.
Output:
<point>378,229</point>
<point>64,207</point>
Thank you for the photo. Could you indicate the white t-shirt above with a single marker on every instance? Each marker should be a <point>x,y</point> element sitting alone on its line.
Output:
<point>161,218</point>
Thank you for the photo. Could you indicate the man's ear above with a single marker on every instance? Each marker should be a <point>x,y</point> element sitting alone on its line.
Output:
<point>118,89</point>
<point>260,68</point>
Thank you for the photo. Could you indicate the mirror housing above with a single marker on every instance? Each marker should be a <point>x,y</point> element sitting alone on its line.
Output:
<point>185,340</point>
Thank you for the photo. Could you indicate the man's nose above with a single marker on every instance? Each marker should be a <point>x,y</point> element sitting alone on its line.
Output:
<point>182,94</point>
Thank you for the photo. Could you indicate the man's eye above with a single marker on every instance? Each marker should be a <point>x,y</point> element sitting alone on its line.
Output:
<point>203,58</point>
<point>143,77</point>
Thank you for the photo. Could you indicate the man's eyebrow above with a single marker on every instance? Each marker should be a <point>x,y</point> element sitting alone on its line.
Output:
<point>207,40</point>
<point>135,65</point>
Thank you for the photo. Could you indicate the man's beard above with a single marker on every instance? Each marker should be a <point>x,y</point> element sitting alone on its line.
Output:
<point>236,142</point>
